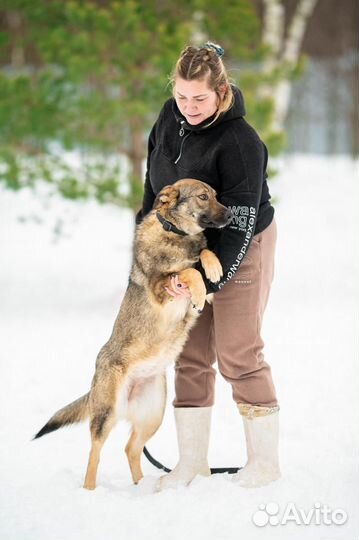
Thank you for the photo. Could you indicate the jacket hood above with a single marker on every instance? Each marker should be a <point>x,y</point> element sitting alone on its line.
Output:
<point>236,111</point>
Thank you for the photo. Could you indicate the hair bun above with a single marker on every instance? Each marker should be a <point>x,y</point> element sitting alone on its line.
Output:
<point>216,48</point>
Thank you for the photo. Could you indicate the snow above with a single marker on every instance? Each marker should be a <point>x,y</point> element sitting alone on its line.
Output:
<point>59,296</point>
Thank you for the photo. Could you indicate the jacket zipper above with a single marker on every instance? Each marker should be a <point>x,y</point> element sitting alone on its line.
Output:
<point>181,133</point>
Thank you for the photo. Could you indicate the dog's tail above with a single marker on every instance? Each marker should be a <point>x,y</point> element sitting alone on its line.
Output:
<point>77,411</point>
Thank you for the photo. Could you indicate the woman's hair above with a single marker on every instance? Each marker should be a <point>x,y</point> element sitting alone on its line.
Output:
<point>205,63</point>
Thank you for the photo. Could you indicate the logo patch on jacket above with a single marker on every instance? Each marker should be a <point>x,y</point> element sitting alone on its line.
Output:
<point>239,220</point>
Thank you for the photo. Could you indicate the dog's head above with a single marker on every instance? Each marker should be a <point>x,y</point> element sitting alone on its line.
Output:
<point>192,206</point>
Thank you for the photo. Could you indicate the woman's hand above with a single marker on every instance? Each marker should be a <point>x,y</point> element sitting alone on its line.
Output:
<point>176,289</point>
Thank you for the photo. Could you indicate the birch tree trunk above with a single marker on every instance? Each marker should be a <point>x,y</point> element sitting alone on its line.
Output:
<point>284,49</point>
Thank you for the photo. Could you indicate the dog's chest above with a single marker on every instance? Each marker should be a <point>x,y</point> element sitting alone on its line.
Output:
<point>192,249</point>
<point>174,311</point>
<point>184,252</point>
<point>152,366</point>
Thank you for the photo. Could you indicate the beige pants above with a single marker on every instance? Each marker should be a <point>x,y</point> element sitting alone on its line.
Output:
<point>229,331</point>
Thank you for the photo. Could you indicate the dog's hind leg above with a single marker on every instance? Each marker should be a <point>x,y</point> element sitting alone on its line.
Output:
<point>102,420</point>
<point>146,407</point>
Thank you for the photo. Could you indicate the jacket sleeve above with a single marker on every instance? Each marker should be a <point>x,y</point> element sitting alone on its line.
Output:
<point>241,169</point>
<point>148,196</point>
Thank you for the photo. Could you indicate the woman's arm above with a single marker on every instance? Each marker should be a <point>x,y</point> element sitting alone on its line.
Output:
<point>241,168</point>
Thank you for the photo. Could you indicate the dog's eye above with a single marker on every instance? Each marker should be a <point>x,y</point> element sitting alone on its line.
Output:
<point>203,197</point>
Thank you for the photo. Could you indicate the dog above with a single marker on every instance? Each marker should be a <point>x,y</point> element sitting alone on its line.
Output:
<point>151,328</point>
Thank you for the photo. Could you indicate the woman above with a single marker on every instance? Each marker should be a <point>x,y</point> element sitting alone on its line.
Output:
<point>201,133</point>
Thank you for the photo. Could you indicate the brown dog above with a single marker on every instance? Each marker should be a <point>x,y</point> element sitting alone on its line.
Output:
<point>151,328</point>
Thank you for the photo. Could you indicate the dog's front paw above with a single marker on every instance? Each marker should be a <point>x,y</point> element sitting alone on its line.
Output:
<point>193,280</point>
<point>211,265</point>
<point>198,297</point>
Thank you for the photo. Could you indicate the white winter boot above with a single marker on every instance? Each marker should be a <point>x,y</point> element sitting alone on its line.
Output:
<point>193,427</point>
<point>261,426</point>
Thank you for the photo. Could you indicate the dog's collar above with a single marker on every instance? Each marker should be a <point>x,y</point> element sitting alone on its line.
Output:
<point>169,227</point>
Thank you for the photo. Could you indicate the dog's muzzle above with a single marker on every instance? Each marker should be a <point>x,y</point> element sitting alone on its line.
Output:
<point>218,220</point>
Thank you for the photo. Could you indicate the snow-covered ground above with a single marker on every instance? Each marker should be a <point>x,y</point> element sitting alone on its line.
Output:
<point>58,300</point>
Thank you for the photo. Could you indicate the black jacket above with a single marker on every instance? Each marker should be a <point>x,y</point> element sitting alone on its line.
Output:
<point>229,156</point>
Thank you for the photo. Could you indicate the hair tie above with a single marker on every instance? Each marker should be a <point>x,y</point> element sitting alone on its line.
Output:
<point>217,49</point>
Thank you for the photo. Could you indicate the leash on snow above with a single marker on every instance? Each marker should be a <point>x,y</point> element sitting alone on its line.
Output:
<point>215,470</point>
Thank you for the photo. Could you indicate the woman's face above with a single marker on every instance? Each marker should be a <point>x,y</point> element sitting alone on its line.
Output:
<point>195,100</point>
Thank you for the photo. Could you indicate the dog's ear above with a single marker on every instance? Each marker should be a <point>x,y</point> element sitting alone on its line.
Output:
<point>168,195</point>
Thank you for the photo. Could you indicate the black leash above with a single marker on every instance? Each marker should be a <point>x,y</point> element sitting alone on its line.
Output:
<point>215,470</point>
